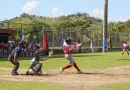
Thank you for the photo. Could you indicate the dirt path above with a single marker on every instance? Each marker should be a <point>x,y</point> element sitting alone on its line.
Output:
<point>71,80</point>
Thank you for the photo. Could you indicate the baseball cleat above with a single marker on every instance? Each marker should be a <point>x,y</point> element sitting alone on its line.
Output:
<point>80,72</point>
<point>61,70</point>
<point>14,73</point>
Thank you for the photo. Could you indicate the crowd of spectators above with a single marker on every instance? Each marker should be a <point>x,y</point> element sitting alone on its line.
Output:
<point>28,48</point>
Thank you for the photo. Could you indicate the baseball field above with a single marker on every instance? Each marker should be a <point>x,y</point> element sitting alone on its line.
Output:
<point>102,71</point>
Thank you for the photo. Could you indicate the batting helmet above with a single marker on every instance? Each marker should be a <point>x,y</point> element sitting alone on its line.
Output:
<point>68,40</point>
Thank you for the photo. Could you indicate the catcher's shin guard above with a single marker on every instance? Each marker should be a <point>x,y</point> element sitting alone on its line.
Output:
<point>38,67</point>
<point>16,66</point>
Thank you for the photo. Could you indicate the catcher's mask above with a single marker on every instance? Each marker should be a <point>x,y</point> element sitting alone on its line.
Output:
<point>36,54</point>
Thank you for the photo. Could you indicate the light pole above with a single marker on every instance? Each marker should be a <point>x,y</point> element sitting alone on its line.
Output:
<point>104,48</point>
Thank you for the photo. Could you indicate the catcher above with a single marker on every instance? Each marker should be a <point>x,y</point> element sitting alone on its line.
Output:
<point>35,65</point>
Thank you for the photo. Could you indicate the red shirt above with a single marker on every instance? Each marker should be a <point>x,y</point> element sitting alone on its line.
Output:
<point>68,49</point>
<point>125,46</point>
<point>5,46</point>
<point>37,45</point>
<point>0,46</point>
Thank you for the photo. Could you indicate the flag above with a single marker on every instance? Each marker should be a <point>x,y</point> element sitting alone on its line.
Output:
<point>91,45</point>
<point>79,36</point>
<point>110,42</point>
<point>63,40</point>
<point>21,37</point>
<point>45,44</point>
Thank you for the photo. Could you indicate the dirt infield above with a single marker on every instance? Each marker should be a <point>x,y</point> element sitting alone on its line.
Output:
<point>73,81</point>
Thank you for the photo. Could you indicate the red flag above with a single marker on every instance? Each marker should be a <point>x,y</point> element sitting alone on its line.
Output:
<point>45,44</point>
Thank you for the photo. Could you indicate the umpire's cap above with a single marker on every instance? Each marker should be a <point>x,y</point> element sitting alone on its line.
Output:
<point>37,53</point>
<point>68,40</point>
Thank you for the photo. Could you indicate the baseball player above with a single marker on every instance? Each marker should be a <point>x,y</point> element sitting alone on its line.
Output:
<point>125,47</point>
<point>68,48</point>
<point>13,58</point>
<point>35,65</point>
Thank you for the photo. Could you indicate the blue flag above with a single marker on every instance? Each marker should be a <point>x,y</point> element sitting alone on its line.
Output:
<point>21,37</point>
<point>63,40</point>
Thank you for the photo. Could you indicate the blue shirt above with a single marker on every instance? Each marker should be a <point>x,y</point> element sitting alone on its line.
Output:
<point>18,50</point>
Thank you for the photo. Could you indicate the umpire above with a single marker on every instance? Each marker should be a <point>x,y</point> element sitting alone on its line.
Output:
<point>13,58</point>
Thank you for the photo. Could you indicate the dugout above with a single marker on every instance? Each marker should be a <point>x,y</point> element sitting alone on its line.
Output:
<point>5,33</point>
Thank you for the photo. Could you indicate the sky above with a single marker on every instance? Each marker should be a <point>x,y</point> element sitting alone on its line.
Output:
<point>118,10</point>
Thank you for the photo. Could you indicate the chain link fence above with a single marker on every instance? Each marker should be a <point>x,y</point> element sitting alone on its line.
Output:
<point>55,39</point>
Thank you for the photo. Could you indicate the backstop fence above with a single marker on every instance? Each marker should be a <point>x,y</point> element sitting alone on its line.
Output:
<point>55,38</point>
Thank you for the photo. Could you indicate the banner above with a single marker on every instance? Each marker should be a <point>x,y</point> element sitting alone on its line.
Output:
<point>45,44</point>
<point>78,37</point>
<point>91,45</point>
<point>105,42</point>
<point>21,37</point>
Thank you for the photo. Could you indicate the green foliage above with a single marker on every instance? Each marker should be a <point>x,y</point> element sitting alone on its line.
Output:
<point>33,26</point>
<point>119,27</point>
<point>35,30</point>
<point>17,36</point>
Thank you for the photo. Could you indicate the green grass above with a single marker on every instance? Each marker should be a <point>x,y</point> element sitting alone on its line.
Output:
<point>103,60</point>
<point>117,86</point>
<point>84,61</point>
<point>20,85</point>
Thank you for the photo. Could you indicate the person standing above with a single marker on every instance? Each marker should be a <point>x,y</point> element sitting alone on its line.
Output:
<point>125,47</point>
<point>13,58</point>
<point>68,50</point>
<point>38,46</point>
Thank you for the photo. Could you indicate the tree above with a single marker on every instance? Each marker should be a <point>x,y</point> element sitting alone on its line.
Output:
<point>119,27</point>
<point>35,30</point>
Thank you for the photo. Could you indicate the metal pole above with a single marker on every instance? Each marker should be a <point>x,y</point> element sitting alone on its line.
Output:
<point>98,38</point>
<point>70,33</point>
<point>115,40</point>
<point>85,37</point>
<point>53,39</point>
<point>21,26</point>
<point>105,26</point>
<point>8,25</point>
